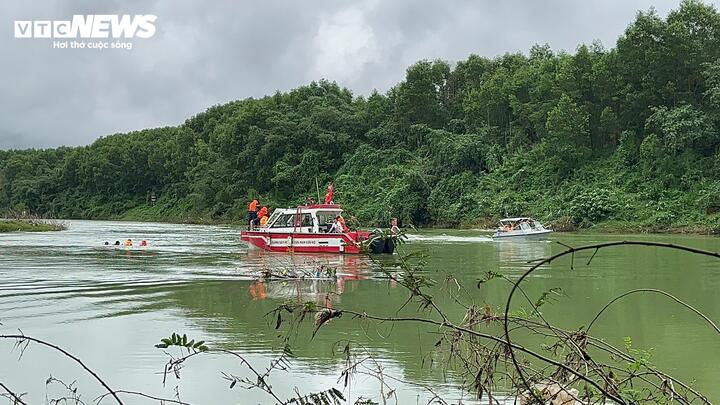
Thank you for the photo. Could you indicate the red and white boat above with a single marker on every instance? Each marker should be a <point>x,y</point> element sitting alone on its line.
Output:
<point>304,229</point>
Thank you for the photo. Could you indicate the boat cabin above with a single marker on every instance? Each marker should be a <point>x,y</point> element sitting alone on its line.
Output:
<point>303,219</point>
<point>521,223</point>
<point>305,229</point>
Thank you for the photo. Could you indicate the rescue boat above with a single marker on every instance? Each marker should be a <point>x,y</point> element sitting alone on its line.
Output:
<point>304,229</point>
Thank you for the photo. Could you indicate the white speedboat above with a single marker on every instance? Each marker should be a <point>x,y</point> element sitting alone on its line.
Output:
<point>521,226</point>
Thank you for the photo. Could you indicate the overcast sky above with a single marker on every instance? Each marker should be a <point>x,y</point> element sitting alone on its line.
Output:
<point>212,52</point>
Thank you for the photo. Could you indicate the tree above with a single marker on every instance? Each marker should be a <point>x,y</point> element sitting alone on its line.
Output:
<point>424,95</point>
<point>682,129</point>
<point>568,141</point>
<point>609,128</point>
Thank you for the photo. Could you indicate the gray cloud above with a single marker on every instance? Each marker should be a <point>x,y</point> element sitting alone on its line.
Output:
<point>211,53</point>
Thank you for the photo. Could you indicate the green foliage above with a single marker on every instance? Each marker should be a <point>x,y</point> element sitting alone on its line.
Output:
<point>640,357</point>
<point>627,151</point>
<point>25,226</point>
<point>609,127</point>
<point>182,341</point>
<point>545,134</point>
<point>568,140</point>
<point>683,128</point>
<point>592,206</point>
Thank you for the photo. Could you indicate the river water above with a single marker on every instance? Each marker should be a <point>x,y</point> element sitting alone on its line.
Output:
<point>110,306</point>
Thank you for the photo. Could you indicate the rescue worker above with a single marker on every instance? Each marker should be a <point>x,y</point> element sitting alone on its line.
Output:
<point>252,212</point>
<point>330,194</point>
<point>263,212</point>
<point>342,224</point>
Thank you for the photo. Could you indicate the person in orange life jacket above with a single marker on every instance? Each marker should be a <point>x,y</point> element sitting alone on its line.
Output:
<point>330,194</point>
<point>252,212</point>
<point>264,220</point>
<point>341,220</point>
<point>262,213</point>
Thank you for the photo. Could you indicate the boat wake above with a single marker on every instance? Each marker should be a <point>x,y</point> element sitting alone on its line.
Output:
<point>448,239</point>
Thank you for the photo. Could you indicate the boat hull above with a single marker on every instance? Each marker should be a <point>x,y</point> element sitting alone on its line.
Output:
<point>296,242</point>
<point>511,234</point>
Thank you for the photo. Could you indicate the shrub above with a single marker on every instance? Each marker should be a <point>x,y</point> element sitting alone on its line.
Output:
<point>591,206</point>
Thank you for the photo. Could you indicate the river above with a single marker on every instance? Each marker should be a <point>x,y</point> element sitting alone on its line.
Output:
<point>110,306</point>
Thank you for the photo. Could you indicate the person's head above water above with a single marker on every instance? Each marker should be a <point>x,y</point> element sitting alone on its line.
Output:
<point>107,243</point>
<point>117,242</point>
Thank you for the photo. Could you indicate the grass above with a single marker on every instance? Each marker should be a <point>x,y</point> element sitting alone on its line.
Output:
<point>30,226</point>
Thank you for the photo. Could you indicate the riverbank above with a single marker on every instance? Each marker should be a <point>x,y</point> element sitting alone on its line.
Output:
<point>638,220</point>
<point>637,227</point>
<point>30,226</point>
<point>709,227</point>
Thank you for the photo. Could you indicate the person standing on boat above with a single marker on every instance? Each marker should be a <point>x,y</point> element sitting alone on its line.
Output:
<point>330,194</point>
<point>252,212</point>
<point>394,228</point>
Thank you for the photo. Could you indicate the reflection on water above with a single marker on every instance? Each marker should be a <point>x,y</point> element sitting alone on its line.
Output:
<point>444,238</point>
<point>111,305</point>
<point>515,253</point>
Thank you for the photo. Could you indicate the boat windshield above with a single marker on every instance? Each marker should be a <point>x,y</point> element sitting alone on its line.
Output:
<point>303,220</point>
<point>273,216</point>
<point>283,221</point>
<point>326,217</point>
<point>525,224</point>
<point>537,225</point>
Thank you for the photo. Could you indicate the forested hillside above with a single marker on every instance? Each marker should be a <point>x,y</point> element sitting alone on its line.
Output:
<point>622,135</point>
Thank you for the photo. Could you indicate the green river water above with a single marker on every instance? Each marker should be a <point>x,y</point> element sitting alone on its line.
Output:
<point>111,306</point>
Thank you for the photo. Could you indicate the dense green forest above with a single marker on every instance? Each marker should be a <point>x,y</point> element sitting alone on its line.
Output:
<point>626,136</point>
